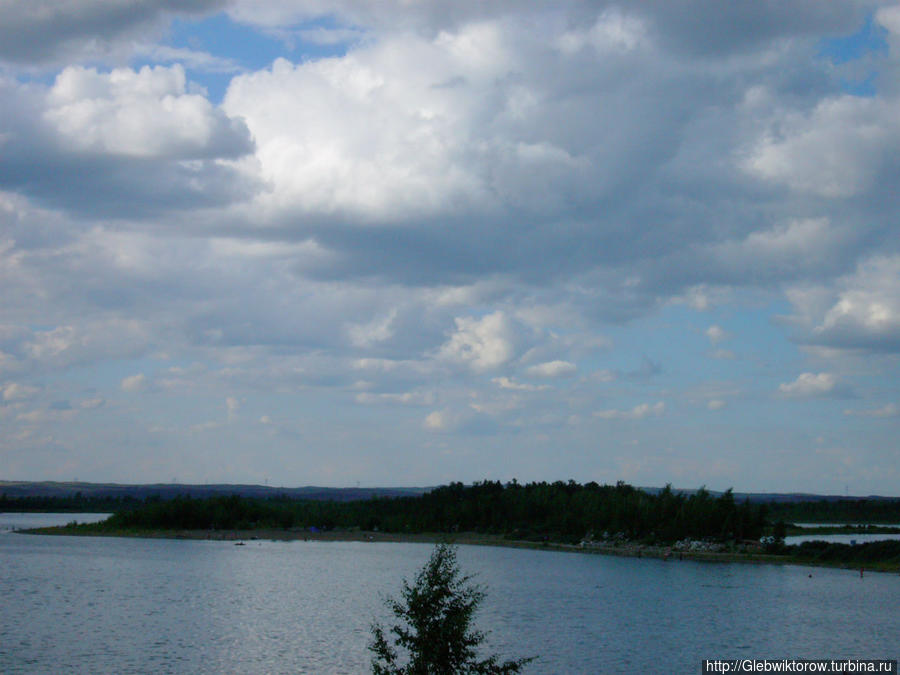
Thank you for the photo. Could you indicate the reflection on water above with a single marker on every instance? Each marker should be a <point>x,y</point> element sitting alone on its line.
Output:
<point>103,605</point>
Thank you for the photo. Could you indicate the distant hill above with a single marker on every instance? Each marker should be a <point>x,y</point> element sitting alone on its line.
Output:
<point>14,489</point>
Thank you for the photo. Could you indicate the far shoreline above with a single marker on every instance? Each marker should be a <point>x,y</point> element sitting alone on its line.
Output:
<point>624,549</point>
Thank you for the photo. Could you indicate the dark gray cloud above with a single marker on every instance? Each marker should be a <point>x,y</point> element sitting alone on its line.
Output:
<point>713,29</point>
<point>43,31</point>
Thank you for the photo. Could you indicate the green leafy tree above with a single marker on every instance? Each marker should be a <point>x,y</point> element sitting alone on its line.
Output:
<point>435,634</point>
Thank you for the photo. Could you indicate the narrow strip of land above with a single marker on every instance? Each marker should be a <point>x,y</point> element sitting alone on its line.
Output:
<point>621,548</point>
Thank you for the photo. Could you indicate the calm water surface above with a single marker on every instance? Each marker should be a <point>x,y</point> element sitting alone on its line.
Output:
<point>103,605</point>
<point>839,538</point>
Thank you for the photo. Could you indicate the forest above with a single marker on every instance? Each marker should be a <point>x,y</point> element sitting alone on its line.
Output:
<point>537,511</point>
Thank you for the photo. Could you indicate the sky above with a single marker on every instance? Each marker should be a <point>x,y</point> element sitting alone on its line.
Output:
<point>406,243</point>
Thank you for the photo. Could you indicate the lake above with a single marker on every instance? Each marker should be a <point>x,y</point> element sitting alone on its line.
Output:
<point>106,605</point>
<point>859,538</point>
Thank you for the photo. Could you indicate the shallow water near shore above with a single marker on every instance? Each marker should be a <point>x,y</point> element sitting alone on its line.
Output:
<point>104,605</point>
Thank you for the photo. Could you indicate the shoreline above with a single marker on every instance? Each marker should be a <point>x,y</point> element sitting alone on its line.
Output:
<point>626,549</point>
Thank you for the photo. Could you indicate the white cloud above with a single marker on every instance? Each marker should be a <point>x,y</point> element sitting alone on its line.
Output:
<point>46,415</point>
<point>377,330</point>
<point>410,398</point>
<point>146,113</point>
<point>86,342</point>
<point>203,427</point>
<point>483,344</point>
<point>613,31</point>
<point>415,125</point>
<point>464,197</point>
<point>51,343</point>
<point>92,403</point>
<point>889,17</point>
<point>860,311</point>
<point>836,151</point>
<point>552,369</point>
<point>809,385</point>
<point>868,309</point>
<point>639,412</point>
<point>356,135</point>
<point>510,383</point>
<point>331,36</point>
<point>887,410</point>
<point>14,391</point>
<point>716,334</point>
<point>191,58</point>
<point>440,421</point>
<point>232,405</point>
<point>134,383</point>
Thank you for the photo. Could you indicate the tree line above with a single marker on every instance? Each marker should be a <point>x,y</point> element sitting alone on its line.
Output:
<point>537,511</point>
<point>559,511</point>
<point>77,503</point>
<point>879,510</point>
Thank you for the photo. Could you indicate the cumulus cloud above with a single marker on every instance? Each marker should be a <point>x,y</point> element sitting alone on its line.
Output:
<point>484,117</point>
<point>14,391</point>
<point>46,415</point>
<point>716,334</point>
<point>604,375</point>
<point>836,151</point>
<point>510,383</point>
<point>867,310</point>
<point>378,330</point>
<point>146,113</point>
<point>887,410</point>
<point>859,311</point>
<point>134,383</point>
<point>810,385</point>
<point>346,136</point>
<point>638,412</point>
<point>552,369</point>
<point>463,198</point>
<point>232,405</point>
<point>482,344</point>
<point>439,421</point>
<point>123,142</point>
<point>92,403</point>
<point>408,398</point>
<point>86,342</point>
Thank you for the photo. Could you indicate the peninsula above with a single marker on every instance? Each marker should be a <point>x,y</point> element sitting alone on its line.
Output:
<point>611,519</point>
